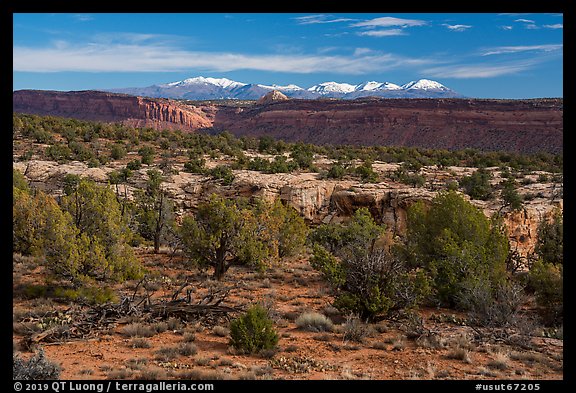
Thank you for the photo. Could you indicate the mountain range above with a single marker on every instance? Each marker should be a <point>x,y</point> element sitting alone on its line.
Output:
<point>201,88</point>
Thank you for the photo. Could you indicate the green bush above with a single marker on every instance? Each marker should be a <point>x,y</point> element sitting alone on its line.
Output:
<point>550,243</point>
<point>87,294</point>
<point>336,171</point>
<point>118,151</point>
<point>369,279</point>
<point>477,185</point>
<point>223,233</point>
<point>547,282</point>
<point>253,331</point>
<point>453,240</point>
<point>366,172</point>
<point>134,165</point>
<point>223,173</point>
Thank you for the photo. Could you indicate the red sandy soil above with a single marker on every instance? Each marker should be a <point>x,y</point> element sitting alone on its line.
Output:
<point>287,289</point>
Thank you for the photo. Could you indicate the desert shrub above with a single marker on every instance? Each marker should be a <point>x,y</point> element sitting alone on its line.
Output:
<point>547,282</point>
<point>134,165</point>
<point>224,173</point>
<point>291,232</point>
<point>42,136</point>
<point>550,244</point>
<point>87,294</point>
<point>336,171</point>
<point>477,185</point>
<point>37,367</point>
<point>59,152</point>
<point>188,349</point>
<point>490,306</point>
<point>104,235</point>
<point>19,181</point>
<point>314,322</point>
<point>253,331</point>
<point>366,172</point>
<point>369,279</point>
<point>303,155</point>
<point>221,331</point>
<point>147,154</point>
<point>118,151</point>
<point>280,164</point>
<point>354,329</point>
<point>221,234</point>
<point>165,354</point>
<point>195,165</point>
<point>453,240</point>
<point>138,330</point>
<point>510,195</point>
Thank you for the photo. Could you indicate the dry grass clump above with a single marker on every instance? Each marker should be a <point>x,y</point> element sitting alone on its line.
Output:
<point>166,354</point>
<point>314,322</point>
<point>355,330</point>
<point>139,342</point>
<point>221,331</point>
<point>138,330</point>
<point>501,361</point>
<point>188,349</point>
<point>461,354</point>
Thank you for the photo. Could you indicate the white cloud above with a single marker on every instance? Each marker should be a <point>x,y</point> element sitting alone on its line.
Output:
<point>457,27</point>
<point>389,21</point>
<point>524,20</point>
<point>506,27</point>
<point>319,19</point>
<point>554,26</point>
<point>525,48</point>
<point>363,51</point>
<point>474,71</point>
<point>382,33</point>
<point>149,57</point>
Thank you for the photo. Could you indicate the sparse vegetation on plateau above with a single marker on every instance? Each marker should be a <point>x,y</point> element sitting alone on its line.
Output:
<point>349,287</point>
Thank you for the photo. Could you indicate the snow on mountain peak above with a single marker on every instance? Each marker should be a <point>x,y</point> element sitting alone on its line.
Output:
<point>220,82</point>
<point>290,87</point>
<point>332,87</point>
<point>424,84</point>
<point>373,85</point>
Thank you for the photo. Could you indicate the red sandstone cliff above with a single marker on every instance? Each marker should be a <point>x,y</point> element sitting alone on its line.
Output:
<point>514,125</point>
<point>526,126</point>
<point>111,107</point>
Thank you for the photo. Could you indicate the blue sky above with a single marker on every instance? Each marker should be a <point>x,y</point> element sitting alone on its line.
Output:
<point>477,54</point>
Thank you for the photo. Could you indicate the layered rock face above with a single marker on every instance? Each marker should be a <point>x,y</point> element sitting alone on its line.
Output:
<point>111,107</point>
<point>526,126</point>
<point>317,200</point>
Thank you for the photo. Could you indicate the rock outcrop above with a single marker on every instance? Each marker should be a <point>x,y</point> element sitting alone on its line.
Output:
<point>526,126</point>
<point>112,107</point>
<point>317,200</point>
<point>273,96</point>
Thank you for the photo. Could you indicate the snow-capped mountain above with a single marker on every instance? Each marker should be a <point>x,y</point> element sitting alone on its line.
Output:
<point>332,89</point>
<point>200,80</point>
<point>372,85</point>
<point>201,88</point>
<point>424,84</point>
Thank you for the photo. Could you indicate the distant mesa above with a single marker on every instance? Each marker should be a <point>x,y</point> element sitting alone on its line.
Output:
<point>527,126</point>
<point>273,96</point>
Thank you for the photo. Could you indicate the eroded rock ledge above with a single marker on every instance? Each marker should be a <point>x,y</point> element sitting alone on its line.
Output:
<point>317,200</point>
